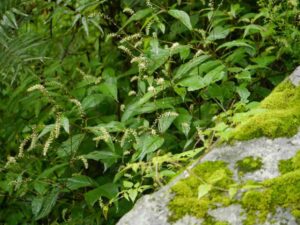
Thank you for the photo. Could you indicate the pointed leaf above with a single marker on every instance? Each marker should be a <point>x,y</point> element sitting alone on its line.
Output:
<point>182,16</point>
<point>204,189</point>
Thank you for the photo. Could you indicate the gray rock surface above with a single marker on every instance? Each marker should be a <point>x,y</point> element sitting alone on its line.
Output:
<point>152,209</point>
<point>295,76</point>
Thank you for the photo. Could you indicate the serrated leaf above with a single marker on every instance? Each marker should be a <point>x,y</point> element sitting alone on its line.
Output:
<point>182,16</point>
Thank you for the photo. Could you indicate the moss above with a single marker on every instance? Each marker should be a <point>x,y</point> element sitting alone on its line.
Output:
<point>258,205</point>
<point>289,165</point>
<point>248,164</point>
<point>186,191</point>
<point>285,166</point>
<point>279,115</point>
<point>282,191</point>
<point>211,221</point>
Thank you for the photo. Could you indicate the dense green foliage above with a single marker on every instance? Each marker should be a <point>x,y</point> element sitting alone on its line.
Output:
<point>102,101</point>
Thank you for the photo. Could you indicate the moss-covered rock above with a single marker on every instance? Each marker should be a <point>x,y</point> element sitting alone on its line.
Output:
<point>258,199</point>
<point>214,178</point>
<point>278,115</point>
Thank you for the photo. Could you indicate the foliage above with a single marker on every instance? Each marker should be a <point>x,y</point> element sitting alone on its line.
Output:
<point>102,101</point>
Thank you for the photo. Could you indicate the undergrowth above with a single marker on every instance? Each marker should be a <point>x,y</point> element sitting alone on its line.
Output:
<point>104,101</point>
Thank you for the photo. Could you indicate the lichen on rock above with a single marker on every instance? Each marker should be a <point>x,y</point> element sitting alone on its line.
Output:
<point>278,115</point>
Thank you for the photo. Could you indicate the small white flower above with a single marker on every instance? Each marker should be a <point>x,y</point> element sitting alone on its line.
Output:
<point>151,89</point>
<point>160,81</point>
<point>131,93</point>
<point>134,78</point>
<point>122,107</point>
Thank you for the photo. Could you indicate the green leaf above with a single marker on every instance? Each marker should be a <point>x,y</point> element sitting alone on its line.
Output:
<point>48,203</point>
<point>92,101</point>
<point>183,121</point>
<point>79,181</point>
<point>232,192</point>
<point>70,146</point>
<point>203,190</point>
<point>138,16</point>
<point>197,82</point>
<point>49,171</point>
<point>108,190</point>
<point>243,93</point>
<point>165,121</point>
<point>147,144</point>
<point>110,88</point>
<point>185,68</point>
<point>36,205</point>
<point>132,108</point>
<point>66,124</point>
<point>85,25</point>
<point>46,130</point>
<point>101,155</point>
<point>217,33</point>
<point>182,16</point>
<point>112,126</point>
<point>217,176</point>
<point>132,194</point>
<point>235,43</point>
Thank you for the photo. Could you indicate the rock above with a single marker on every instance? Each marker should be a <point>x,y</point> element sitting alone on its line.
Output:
<point>264,156</point>
<point>295,76</point>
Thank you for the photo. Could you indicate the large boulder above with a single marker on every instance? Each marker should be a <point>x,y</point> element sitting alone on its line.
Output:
<point>253,181</point>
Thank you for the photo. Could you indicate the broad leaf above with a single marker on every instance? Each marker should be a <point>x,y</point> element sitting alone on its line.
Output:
<point>70,146</point>
<point>108,190</point>
<point>49,202</point>
<point>80,181</point>
<point>182,16</point>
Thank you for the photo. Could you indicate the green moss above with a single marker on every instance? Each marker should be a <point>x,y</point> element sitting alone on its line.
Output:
<point>289,165</point>
<point>282,191</point>
<point>214,173</point>
<point>209,220</point>
<point>248,164</point>
<point>278,115</point>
